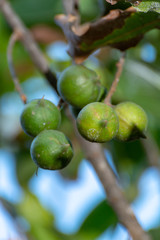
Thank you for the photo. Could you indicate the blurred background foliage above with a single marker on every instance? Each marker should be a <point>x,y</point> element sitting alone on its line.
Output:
<point>140,83</point>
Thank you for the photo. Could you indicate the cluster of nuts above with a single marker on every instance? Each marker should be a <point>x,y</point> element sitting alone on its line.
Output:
<point>50,149</point>
<point>96,121</point>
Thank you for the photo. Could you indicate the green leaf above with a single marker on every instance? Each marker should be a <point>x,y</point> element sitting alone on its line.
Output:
<point>130,162</point>
<point>98,221</point>
<point>25,167</point>
<point>41,221</point>
<point>148,5</point>
<point>155,233</point>
<point>21,60</point>
<point>37,11</point>
<point>89,10</point>
<point>6,83</point>
<point>140,82</point>
<point>41,233</point>
<point>134,26</point>
<point>31,209</point>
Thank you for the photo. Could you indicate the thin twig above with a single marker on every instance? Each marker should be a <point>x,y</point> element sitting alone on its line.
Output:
<point>95,155</point>
<point>28,42</point>
<point>14,37</point>
<point>72,7</point>
<point>116,80</point>
<point>16,225</point>
<point>61,103</point>
<point>152,151</point>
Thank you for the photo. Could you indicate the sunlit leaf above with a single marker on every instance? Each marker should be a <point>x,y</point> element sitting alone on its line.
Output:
<point>31,209</point>
<point>148,5</point>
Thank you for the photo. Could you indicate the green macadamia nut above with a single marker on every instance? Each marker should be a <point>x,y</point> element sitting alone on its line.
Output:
<point>38,115</point>
<point>79,86</point>
<point>132,121</point>
<point>97,122</point>
<point>51,149</point>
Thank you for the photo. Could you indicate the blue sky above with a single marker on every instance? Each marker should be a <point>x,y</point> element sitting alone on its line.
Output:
<point>79,197</point>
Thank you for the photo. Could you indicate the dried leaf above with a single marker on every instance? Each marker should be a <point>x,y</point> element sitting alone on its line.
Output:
<point>118,29</point>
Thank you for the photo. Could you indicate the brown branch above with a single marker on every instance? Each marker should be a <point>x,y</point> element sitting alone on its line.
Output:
<point>14,37</point>
<point>95,154</point>
<point>115,197</point>
<point>116,80</point>
<point>28,42</point>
